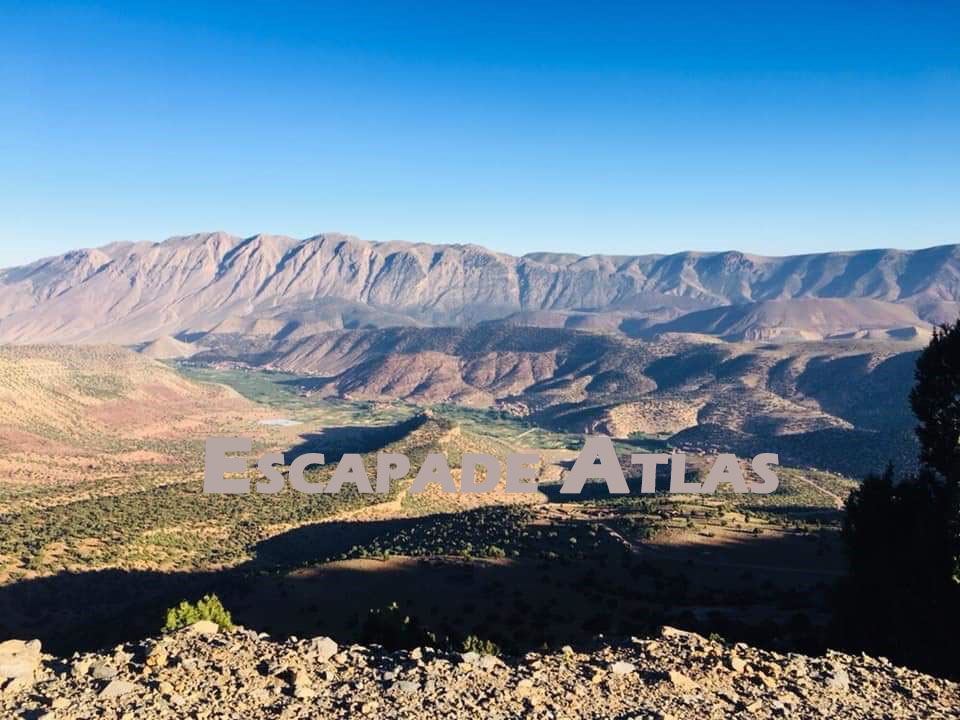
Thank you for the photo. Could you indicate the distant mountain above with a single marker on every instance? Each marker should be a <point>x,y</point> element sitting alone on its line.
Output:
<point>800,319</point>
<point>272,286</point>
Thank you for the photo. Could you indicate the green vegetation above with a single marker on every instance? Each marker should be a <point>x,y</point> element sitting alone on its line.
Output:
<point>497,531</point>
<point>293,394</point>
<point>903,534</point>
<point>208,607</point>
<point>211,529</point>
<point>482,647</point>
<point>394,629</point>
<point>177,523</point>
<point>516,431</point>
<point>936,401</point>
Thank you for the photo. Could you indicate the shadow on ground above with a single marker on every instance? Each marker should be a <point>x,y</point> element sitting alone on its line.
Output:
<point>539,597</point>
<point>333,442</point>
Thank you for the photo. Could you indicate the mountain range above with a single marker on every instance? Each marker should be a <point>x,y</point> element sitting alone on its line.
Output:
<point>810,355</point>
<point>270,286</point>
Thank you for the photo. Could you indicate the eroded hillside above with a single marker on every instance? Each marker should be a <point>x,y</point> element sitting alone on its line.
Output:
<point>819,403</point>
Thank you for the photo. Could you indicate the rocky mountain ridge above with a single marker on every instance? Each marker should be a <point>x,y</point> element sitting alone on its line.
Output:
<point>205,672</point>
<point>265,284</point>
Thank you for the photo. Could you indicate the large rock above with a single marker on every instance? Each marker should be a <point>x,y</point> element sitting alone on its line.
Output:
<point>104,670</point>
<point>203,627</point>
<point>118,688</point>
<point>19,659</point>
<point>323,648</point>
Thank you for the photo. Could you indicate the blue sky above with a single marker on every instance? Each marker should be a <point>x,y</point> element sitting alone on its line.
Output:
<point>584,127</point>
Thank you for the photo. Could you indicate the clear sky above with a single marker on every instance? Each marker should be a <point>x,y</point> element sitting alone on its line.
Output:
<point>770,127</point>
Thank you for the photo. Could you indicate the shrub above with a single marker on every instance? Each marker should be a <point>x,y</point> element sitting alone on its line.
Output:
<point>483,647</point>
<point>394,629</point>
<point>208,607</point>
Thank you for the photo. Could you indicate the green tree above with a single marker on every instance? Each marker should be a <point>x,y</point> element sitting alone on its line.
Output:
<point>901,593</point>
<point>935,400</point>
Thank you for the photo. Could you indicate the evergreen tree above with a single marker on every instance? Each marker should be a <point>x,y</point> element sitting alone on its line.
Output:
<point>903,535</point>
<point>936,400</point>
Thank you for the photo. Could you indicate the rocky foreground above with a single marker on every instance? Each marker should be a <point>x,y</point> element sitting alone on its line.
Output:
<point>203,672</point>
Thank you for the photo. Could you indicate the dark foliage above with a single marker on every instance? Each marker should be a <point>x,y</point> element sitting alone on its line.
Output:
<point>901,594</point>
<point>936,400</point>
<point>900,597</point>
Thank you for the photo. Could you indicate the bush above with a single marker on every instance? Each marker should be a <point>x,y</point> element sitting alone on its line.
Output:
<point>482,647</point>
<point>394,629</point>
<point>208,607</point>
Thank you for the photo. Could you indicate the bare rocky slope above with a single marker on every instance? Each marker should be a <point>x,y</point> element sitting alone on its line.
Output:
<point>187,286</point>
<point>201,672</point>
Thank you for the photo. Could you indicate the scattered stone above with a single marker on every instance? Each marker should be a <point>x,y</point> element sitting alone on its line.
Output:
<point>18,685</point>
<point>117,688</point>
<point>729,696</point>
<point>157,657</point>
<point>300,682</point>
<point>680,681</point>
<point>206,628</point>
<point>837,679</point>
<point>685,635</point>
<point>241,674</point>
<point>765,680</point>
<point>304,692</point>
<point>103,670</point>
<point>489,662</point>
<point>323,647</point>
<point>736,663</point>
<point>19,659</point>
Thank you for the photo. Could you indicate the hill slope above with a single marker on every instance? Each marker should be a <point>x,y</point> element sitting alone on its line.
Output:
<point>87,415</point>
<point>839,404</point>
